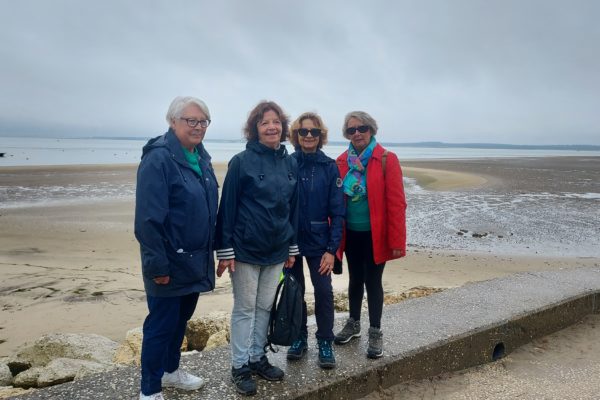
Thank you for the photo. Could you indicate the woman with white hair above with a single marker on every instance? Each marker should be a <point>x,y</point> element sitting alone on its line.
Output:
<point>175,217</point>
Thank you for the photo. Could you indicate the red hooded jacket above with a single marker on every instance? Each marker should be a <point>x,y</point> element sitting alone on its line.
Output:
<point>387,204</point>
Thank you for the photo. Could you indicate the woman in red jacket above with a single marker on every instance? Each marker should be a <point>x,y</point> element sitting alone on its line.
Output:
<point>375,230</point>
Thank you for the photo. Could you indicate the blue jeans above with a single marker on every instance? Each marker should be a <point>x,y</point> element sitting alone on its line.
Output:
<point>254,288</point>
<point>323,297</point>
<point>164,329</point>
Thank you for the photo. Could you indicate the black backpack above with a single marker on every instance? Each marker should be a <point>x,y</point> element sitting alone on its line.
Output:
<point>286,314</point>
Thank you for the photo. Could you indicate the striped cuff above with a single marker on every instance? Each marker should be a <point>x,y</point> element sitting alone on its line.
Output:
<point>225,254</point>
<point>294,251</point>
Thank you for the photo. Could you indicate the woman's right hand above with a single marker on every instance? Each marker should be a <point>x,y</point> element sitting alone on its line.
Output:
<point>225,264</point>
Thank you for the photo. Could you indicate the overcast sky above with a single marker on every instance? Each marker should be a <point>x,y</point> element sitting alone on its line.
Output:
<point>504,71</point>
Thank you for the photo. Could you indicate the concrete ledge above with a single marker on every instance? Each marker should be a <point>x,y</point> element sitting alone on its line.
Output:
<point>448,331</point>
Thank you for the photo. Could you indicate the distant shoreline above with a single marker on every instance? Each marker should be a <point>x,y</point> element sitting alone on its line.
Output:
<point>432,144</point>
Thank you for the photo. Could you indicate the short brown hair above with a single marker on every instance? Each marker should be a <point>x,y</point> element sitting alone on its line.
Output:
<point>316,119</point>
<point>257,114</point>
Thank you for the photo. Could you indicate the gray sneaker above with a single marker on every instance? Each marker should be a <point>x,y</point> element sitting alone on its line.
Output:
<point>350,330</point>
<point>375,349</point>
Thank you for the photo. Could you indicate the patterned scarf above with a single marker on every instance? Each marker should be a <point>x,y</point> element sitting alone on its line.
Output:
<point>355,181</point>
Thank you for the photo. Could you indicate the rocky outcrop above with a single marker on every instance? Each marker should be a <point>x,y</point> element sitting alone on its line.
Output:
<point>28,379</point>
<point>6,377</point>
<point>7,392</point>
<point>130,350</point>
<point>199,330</point>
<point>219,339</point>
<point>59,358</point>
<point>63,370</point>
<point>419,291</point>
<point>89,347</point>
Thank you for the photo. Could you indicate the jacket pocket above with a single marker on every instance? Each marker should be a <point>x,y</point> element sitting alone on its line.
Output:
<point>189,267</point>
<point>319,232</point>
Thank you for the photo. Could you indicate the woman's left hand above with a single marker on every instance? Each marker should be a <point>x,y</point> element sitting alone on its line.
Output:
<point>326,265</point>
<point>290,262</point>
<point>398,253</point>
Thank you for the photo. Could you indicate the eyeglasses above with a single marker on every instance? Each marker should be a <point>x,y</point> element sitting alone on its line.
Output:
<point>361,129</point>
<point>315,132</point>
<point>193,122</point>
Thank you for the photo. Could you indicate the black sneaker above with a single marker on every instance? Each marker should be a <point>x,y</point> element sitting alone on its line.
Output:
<point>243,381</point>
<point>265,370</point>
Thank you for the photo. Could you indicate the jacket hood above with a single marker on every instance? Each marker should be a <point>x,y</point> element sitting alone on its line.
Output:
<point>170,142</point>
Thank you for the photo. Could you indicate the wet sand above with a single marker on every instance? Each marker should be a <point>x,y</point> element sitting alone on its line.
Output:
<point>73,266</point>
<point>564,365</point>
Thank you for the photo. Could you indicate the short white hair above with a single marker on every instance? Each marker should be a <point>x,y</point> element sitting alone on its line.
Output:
<point>179,103</point>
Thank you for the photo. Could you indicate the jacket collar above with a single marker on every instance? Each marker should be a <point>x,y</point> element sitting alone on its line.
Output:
<point>176,150</point>
<point>260,148</point>
<point>318,156</point>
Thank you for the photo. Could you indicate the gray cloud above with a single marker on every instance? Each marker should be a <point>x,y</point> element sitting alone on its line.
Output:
<point>520,72</point>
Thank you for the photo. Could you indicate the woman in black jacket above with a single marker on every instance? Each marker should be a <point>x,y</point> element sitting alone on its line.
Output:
<point>320,230</point>
<point>256,237</point>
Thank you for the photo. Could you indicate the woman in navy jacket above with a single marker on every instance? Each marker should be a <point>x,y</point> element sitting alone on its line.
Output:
<point>256,237</point>
<point>175,217</point>
<point>320,230</point>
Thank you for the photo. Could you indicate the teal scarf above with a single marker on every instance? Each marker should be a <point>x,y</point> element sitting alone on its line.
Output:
<point>355,181</point>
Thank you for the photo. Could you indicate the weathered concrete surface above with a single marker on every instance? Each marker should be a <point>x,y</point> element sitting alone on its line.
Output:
<point>446,331</point>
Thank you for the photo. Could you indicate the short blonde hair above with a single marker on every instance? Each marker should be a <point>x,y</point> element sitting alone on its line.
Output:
<point>316,119</point>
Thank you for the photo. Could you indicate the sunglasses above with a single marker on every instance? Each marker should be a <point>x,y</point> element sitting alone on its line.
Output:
<point>361,129</point>
<point>315,132</point>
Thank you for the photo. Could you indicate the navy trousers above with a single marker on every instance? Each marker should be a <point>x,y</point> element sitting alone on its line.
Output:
<point>164,329</point>
<point>323,297</point>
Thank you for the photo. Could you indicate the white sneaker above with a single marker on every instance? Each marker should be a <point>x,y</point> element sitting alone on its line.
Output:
<point>182,380</point>
<point>155,396</point>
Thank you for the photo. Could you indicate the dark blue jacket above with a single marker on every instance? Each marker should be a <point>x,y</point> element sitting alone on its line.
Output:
<point>322,208</point>
<point>175,217</point>
<point>258,214</point>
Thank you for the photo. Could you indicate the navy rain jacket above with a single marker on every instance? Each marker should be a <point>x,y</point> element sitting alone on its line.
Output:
<point>258,214</point>
<point>175,217</point>
<point>322,208</point>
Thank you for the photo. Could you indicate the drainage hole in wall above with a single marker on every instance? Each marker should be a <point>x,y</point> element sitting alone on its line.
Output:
<point>499,351</point>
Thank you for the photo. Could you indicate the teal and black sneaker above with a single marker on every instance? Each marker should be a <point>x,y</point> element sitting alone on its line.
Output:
<point>326,356</point>
<point>298,349</point>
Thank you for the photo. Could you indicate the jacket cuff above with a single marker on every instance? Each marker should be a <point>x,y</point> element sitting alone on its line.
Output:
<point>225,254</point>
<point>294,251</point>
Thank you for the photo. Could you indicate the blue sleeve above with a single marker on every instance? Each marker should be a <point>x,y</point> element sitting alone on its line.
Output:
<point>151,211</point>
<point>227,214</point>
<point>336,209</point>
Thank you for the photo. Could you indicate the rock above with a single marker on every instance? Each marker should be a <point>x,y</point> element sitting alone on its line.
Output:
<point>129,351</point>
<point>89,347</point>
<point>17,366</point>
<point>63,370</point>
<point>200,329</point>
<point>340,301</point>
<point>218,339</point>
<point>28,379</point>
<point>9,391</point>
<point>419,291</point>
<point>6,377</point>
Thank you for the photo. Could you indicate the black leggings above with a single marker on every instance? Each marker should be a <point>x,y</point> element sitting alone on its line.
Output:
<point>364,273</point>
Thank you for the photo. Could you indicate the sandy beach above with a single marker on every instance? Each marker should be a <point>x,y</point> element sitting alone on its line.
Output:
<point>72,265</point>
